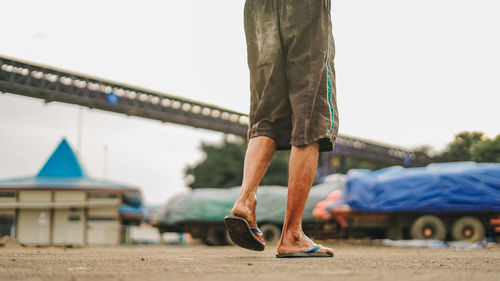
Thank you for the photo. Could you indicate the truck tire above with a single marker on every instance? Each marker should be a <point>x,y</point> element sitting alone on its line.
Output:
<point>468,229</point>
<point>215,237</point>
<point>271,233</point>
<point>394,233</point>
<point>428,227</point>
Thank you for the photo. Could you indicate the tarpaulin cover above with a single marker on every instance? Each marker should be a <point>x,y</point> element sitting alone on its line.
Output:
<point>211,204</point>
<point>462,186</point>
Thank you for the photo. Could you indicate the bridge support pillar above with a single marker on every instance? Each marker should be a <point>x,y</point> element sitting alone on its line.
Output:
<point>330,163</point>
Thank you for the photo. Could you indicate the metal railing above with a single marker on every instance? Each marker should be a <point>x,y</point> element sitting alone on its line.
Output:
<point>52,84</point>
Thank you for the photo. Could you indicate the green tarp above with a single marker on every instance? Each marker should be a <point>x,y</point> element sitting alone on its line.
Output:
<point>211,204</point>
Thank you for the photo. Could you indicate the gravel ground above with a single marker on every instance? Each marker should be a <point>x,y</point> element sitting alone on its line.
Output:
<point>197,262</point>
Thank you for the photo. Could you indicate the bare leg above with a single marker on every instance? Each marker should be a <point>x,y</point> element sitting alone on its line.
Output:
<point>259,153</point>
<point>302,167</point>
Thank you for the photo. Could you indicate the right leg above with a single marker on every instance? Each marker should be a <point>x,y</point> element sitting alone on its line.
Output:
<point>302,167</point>
<point>259,153</point>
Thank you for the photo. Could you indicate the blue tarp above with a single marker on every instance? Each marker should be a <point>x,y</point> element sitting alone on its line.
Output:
<point>461,186</point>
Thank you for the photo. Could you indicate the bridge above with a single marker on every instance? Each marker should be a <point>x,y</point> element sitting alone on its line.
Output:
<point>53,84</point>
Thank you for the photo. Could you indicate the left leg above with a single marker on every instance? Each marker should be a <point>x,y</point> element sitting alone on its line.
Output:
<point>257,159</point>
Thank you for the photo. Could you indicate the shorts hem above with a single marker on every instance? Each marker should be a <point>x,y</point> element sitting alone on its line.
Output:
<point>326,143</point>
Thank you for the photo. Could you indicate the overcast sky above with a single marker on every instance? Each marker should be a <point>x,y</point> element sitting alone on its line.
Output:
<point>408,73</point>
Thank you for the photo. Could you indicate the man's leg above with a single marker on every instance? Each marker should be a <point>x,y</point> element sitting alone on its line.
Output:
<point>259,153</point>
<point>302,168</point>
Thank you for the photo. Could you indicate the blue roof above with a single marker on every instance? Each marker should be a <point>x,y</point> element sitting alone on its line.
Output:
<point>131,209</point>
<point>62,170</point>
<point>63,163</point>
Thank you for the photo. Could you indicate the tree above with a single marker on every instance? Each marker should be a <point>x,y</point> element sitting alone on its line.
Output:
<point>222,166</point>
<point>471,146</point>
<point>460,148</point>
<point>486,151</point>
<point>424,151</point>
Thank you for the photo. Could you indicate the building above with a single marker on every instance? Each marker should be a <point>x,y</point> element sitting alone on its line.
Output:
<point>62,205</point>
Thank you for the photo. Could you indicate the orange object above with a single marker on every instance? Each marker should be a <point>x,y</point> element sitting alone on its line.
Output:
<point>495,221</point>
<point>320,211</point>
<point>341,221</point>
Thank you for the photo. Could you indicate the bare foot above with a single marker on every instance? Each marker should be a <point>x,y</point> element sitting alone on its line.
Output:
<point>246,209</point>
<point>298,242</point>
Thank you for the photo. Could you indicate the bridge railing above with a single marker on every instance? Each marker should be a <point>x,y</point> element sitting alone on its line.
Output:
<point>53,84</point>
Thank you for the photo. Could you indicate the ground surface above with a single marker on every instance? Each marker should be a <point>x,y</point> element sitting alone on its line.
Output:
<point>149,263</point>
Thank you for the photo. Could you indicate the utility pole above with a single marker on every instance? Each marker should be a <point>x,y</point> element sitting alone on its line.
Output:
<point>79,131</point>
<point>105,162</point>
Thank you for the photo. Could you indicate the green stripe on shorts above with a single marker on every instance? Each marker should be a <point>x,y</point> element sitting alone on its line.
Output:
<point>329,79</point>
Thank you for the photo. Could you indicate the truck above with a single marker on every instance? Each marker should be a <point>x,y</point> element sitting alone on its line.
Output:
<point>200,212</point>
<point>445,201</point>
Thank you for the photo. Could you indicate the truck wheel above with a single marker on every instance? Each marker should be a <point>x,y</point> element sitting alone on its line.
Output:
<point>394,233</point>
<point>468,228</point>
<point>428,227</point>
<point>271,233</point>
<point>215,237</point>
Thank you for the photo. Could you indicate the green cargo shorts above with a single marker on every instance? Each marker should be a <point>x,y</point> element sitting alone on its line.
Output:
<point>292,78</point>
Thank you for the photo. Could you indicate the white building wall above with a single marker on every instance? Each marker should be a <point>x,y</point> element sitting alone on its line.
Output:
<point>39,224</point>
<point>35,196</point>
<point>69,227</point>
<point>34,227</point>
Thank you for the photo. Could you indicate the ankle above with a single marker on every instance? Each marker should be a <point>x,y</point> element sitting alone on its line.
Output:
<point>244,206</point>
<point>248,200</point>
<point>292,236</point>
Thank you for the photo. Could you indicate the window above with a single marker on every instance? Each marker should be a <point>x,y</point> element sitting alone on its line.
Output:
<point>8,194</point>
<point>6,223</point>
<point>74,217</point>
<point>100,195</point>
<point>132,199</point>
<point>101,219</point>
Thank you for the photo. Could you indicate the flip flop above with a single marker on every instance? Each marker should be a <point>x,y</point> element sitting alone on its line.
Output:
<point>307,254</point>
<point>242,234</point>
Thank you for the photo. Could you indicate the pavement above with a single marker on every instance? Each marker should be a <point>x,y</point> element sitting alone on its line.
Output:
<point>198,262</point>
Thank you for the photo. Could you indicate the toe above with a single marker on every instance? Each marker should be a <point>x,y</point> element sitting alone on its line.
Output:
<point>260,237</point>
<point>326,250</point>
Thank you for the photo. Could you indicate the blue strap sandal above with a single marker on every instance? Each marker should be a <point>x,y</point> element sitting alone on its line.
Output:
<point>307,254</point>
<point>256,230</point>
<point>242,234</point>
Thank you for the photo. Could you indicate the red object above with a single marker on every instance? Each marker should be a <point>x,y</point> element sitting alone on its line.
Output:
<point>495,221</point>
<point>320,211</point>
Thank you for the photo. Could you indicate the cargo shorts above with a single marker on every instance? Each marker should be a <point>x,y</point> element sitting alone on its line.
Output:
<point>292,78</point>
